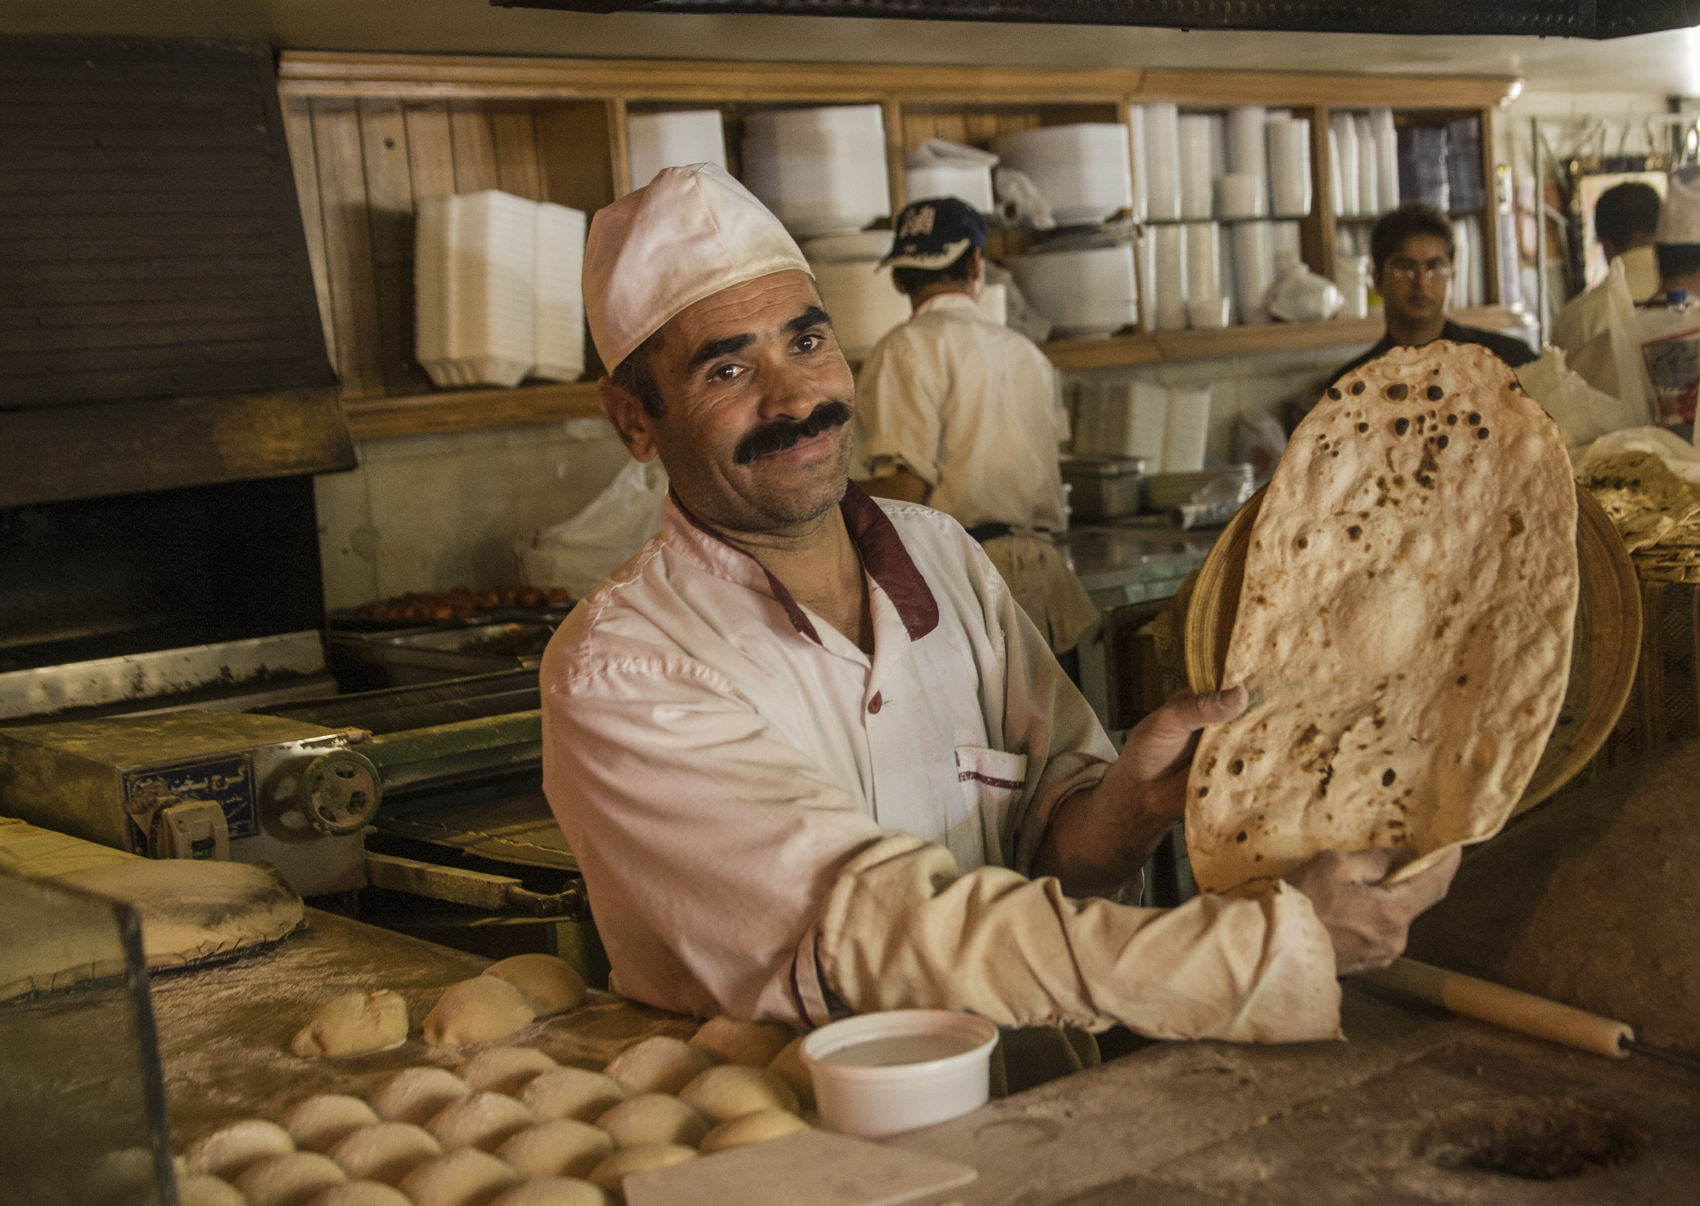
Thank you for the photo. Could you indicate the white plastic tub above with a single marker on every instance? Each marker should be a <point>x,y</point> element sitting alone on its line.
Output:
<point>885,1098</point>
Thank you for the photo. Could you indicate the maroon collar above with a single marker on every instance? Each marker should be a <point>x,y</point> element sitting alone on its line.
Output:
<point>883,556</point>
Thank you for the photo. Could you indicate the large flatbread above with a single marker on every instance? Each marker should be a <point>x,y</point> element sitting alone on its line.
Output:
<point>1404,627</point>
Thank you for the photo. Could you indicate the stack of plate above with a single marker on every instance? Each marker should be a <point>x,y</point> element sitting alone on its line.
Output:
<point>857,292</point>
<point>1084,171</point>
<point>474,271</point>
<point>821,171</point>
<point>558,296</point>
<point>664,140</point>
<point>1087,294</point>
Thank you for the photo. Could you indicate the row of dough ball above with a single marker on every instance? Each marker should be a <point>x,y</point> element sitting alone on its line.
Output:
<point>507,997</point>
<point>545,1134</point>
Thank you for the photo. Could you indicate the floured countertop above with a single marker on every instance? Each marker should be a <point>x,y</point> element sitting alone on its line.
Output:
<point>224,1032</point>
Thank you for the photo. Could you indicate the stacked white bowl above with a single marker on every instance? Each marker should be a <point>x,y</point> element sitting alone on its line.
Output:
<point>821,171</point>
<point>1083,170</point>
<point>1087,294</point>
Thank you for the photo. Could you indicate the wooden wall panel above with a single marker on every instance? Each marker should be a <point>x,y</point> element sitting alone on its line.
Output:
<point>577,156</point>
<point>474,144</point>
<point>348,247</point>
<point>517,169</point>
<point>389,201</point>
<point>430,149</point>
<point>298,123</point>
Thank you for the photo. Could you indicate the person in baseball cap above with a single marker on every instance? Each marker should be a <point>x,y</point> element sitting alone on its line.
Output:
<point>958,411</point>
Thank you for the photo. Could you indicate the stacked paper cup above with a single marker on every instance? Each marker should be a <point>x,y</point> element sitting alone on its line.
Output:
<point>1205,303</point>
<point>1239,195</point>
<point>1136,152</point>
<point>1289,167</point>
<point>1197,167</point>
<point>1171,277</point>
<point>821,171</point>
<point>1162,162</point>
<point>1248,149</point>
<point>1369,200</point>
<point>664,140</point>
<point>1254,269</point>
<point>558,319</point>
<point>1386,159</point>
<point>474,269</point>
<point>1343,133</point>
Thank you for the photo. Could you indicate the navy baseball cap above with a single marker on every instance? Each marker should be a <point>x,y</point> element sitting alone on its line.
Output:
<point>935,233</point>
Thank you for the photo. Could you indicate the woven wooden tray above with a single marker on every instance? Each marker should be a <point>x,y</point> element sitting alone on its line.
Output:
<point>1606,646</point>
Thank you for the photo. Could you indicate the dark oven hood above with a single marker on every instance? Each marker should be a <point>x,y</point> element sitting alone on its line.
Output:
<point>1547,18</point>
<point>158,319</point>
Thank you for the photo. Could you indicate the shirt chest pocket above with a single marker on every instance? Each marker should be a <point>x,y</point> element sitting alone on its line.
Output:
<point>991,782</point>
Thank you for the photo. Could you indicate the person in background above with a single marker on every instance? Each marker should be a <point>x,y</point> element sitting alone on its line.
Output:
<point>1412,251</point>
<point>960,413</point>
<point>1626,218</point>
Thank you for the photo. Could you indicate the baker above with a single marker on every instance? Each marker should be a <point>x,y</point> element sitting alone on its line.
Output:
<point>960,413</point>
<point>1412,250</point>
<point>810,755</point>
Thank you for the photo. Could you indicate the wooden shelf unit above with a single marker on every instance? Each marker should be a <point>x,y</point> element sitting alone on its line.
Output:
<point>370,134</point>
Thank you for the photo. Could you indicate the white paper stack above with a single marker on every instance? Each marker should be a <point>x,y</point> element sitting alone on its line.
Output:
<point>1386,159</point>
<point>1345,143</point>
<point>821,171</point>
<point>1186,429</point>
<point>1137,160</point>
<point>664,140</point>
<point>1254,269</point>
<point>474,269</point>
<point>1162,162</point>
<point>1083,170</point>
<point>558,318</point>
<point>1289,167</point>
<point>938,168</point>
<point>1203,262</point>
<point>1248,148</point>
<point>1369,193</point>
<point>1169,301</point>
<point>1197,170</point>
<point>1086,294</point>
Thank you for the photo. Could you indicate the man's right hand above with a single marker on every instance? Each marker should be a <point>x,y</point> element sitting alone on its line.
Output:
<point>1367,919</point>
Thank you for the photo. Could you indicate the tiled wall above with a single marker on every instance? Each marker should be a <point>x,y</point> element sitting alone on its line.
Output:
<point>1239,384</point>
<point>430,512</point>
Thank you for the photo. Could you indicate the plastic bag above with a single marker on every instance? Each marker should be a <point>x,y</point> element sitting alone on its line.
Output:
<point>1020,203</point>
<point>1682,458</point>
<point>1300,295</point>
<point>1584,412</point>
<point>1602,344</point>
<point>1259,441</point>
<point>580,552</point>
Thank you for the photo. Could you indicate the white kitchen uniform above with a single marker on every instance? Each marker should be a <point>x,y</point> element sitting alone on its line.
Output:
<point>970,407</point>
<point>740,784</point>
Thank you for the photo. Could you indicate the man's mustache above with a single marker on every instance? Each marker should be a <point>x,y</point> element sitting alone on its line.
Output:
<point>781,434</point>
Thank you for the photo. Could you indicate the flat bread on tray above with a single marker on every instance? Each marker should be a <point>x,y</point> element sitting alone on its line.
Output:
<point>1404,627</point>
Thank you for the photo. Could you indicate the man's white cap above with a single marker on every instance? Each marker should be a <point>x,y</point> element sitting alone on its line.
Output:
<point>1679,219</point>
<point>688,234</point>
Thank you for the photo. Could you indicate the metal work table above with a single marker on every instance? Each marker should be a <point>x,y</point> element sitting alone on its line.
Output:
<point>1318,1124</point>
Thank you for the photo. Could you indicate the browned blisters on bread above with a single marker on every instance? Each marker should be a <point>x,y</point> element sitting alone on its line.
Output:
<point>1236,766</point>
<point>1441,442</point>
<point>1401,426</point>
<point>1363,426</point>
<point>1516,518</point>
<point>1435,393</point>
<point>1481,433</point>
<point>1353,532</point>
<point>1309,735</point>
<point>1357,388</point>
<point>1333,393</point>
<point>1302,543</point>
<point>1473,418</point>
<point>1388,777</point>
<point>1202,792</point>
<point>1452,420</point>
<point>1463,679</point>
<point>1397,391</point>
<point>1241,836</point>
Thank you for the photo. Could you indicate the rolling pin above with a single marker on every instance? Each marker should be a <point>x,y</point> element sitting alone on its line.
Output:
<point>1519,1011</point>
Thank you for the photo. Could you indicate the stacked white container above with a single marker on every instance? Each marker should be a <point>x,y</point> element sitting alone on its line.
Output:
<point>558,315</point>
<point>474,272</point>
<point>1087,294</point>
<point>664,140</point>
<point>821,171</point>
<point>1084,171</point>
<point>1162,162</point>
<point>1289,167</point>
<point>1197,168</point>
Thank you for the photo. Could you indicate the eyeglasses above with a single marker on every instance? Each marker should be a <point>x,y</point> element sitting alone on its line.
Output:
<point>1410,270</point>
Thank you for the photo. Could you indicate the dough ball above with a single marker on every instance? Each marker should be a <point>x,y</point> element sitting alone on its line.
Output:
<point>320,1122</point>
<point>660,1065</point>
<point>386,1152</point>
<point>290,1180</point>
<point>751,1043</point>
<point>751,1128</point>
<point>353,1023</point>
<point>574,1093</point>
<point>481,1120</point>
<point>505,1069</point>
<point>480,1010</point>
<point>654,1118</point>
<point>554,1191</point>
<point>549,985</point>
<point>562,1148</point>
<point>229,1151</point>
<point>198,1189</point>
<point>789,1065</point>
<point>733,1090</point>
<point>361,1193</point>
<point>418,1095</point>
<point>468,1177</point>
<point>612,1172</point>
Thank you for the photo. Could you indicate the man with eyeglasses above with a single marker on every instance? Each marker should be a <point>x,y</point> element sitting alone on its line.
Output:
<point>1412,250</point>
